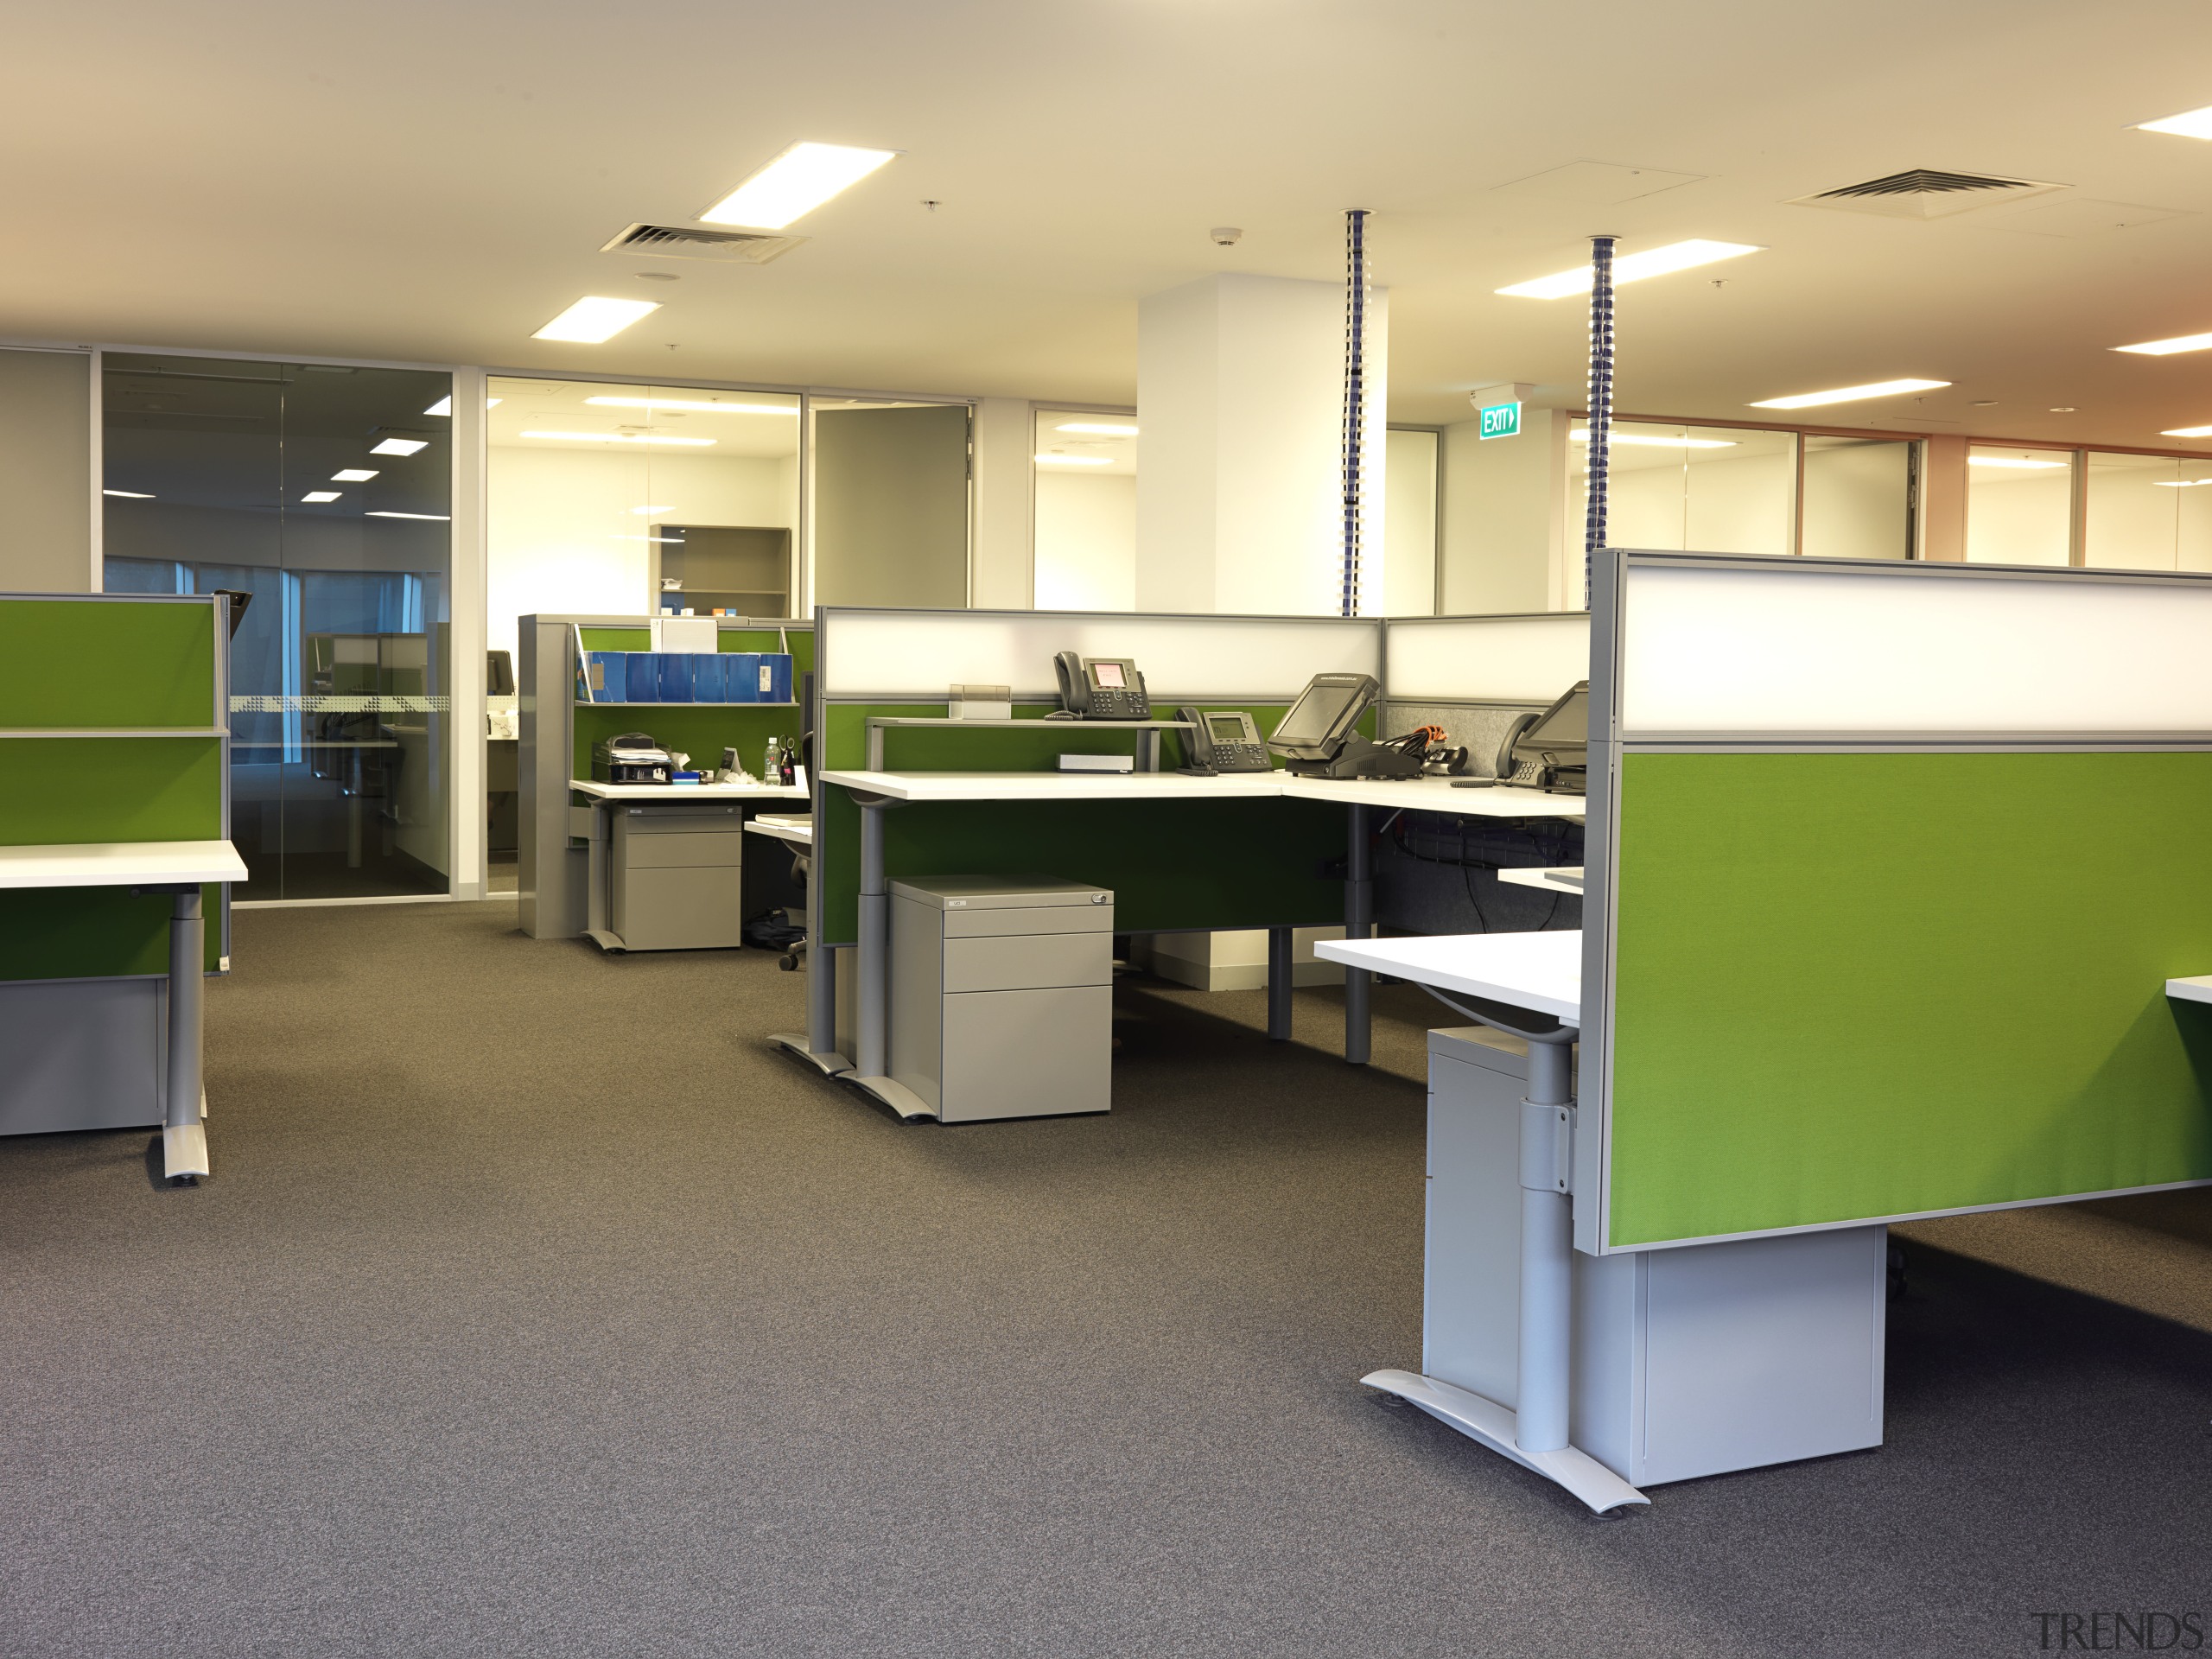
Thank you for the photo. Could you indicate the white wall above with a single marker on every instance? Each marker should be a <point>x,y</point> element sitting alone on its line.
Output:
<point>2020,518</point>
<point>561,537</point>
<point>1410,562</point>
<point>1506,535</point>
<point>1086,541</point>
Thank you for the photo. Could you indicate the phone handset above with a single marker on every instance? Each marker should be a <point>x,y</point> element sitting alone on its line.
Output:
<point>1506,770</point>
<point>1075,685</point>
<point>1197,743</point>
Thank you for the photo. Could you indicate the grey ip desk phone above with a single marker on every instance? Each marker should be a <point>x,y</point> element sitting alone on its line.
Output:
<point>1222,740</point>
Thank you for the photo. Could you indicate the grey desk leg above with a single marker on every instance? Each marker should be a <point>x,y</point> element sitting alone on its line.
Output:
<point>872,1042</point>
<point>817,1043</point>
<point>184,1137</point>
<point>1547,1249</point>
<point>1534,1434</point>
<point>599,871</point>
<point>1279,983</point>
<point>1359,923</point>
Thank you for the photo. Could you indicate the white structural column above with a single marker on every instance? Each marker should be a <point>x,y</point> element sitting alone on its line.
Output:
<point>1004,439</point>
<point>1240,496</point>
<point>1240,392</point>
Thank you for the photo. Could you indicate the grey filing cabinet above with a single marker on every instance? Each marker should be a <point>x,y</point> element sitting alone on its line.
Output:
<point>674,875</point>
<point>1002,996</point>
<point>1688,1361</point>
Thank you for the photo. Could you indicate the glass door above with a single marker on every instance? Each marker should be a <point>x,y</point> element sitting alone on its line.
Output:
<point>324,493</point>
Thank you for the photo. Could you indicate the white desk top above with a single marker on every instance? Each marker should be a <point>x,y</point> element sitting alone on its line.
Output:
<point>1055,785</point>
<point>686,791</point>
<point>1541,971</point>
<point>120,864</point>
<point>1419,794</point>
<point>797,832</point>
<point>2198,989</point>
<point>1557,878</point>
<point>1434,795</point>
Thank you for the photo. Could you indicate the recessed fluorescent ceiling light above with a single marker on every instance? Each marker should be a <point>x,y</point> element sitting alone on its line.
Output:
<point>2179,483</point>
<point>1582,436</point>
<point>664,508</point>
<point>696,403</point>
<point>1098,429</point>
<point>435,517</point>
<point>1633,268</point>
<point>594,318</point>
<point>2191,124</point>
<point>2015,461</point>
<point>130,495</point>
<point>618,437</point>
<point>2168,348</point>
<point>1075,460</point>
<point>2175,432</point>
<point>352,476</point>
<point>444,405</point>
<point>400,447</point>
<point>794,184</point>
<point>1850,394</point>
<point>322,495</point>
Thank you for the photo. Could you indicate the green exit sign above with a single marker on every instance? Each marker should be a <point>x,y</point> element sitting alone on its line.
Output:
<point>1501,421</point>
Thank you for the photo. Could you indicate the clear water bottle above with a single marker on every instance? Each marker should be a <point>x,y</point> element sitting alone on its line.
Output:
<point>772,768</point>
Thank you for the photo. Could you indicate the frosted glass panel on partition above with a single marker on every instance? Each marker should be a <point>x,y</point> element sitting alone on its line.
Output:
<point>1930,649</point>
<point>1709,488</point>
<point>2019,506</point>
<point>921,653</point>
<point>1857,499</point>
<point>1487,658</point>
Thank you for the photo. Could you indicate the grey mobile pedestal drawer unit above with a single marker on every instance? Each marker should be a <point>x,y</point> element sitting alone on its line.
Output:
<point>1002,996</point>
<point>674,875</point>
<point>1688,1361</point>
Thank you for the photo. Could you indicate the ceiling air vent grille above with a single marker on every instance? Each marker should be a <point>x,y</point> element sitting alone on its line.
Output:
<point>1926,193</point>
<point>673,242</point>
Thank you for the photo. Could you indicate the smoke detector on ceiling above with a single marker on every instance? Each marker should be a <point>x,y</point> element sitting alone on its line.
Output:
<point>1926,193</point>
<point>675,242</point>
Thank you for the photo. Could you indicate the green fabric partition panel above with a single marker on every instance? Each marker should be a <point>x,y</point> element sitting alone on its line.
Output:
<point>638,638</point>
<point>1172,864</point>
<point>95,664</point>
<point>85,663</point>
<point>1853,986</point>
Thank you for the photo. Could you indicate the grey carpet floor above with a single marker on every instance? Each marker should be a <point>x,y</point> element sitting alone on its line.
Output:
<point>538,1308</point>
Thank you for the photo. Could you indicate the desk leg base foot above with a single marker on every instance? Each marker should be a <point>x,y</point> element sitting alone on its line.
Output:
<point>606,941</point>
<point>1493,1425</point>
<point>184,1150</point>
<point>895,1095</point>
<point>830,1066</point>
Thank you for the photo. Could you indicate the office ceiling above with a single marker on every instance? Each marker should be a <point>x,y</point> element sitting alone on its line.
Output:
<point>428,181</point>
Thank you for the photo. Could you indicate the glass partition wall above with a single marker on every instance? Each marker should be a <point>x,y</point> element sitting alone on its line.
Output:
<point>322,492</point>
<point>627,500</point>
